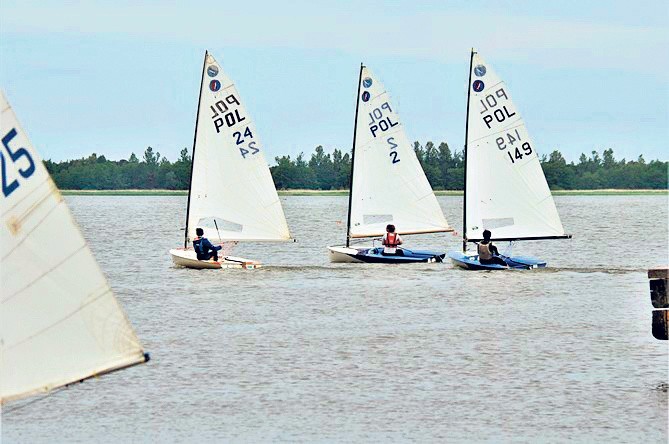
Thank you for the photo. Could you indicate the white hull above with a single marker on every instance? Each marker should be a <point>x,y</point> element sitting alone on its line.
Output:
<point>343,255</point>
<point>188,259</point>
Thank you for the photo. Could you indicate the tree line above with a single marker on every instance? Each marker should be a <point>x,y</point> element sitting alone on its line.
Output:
<point>443,167</point>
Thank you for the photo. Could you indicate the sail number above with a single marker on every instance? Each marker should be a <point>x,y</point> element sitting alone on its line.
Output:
<point>224,114</point>
<point>491,111</point>
<point>15,156</point>
<point>508,142</point>
<point>379,121</point>
<point>393,147</point>
<point>241,138</point>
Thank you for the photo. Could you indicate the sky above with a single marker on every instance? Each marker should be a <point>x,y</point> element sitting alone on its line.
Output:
<point>114,77</point>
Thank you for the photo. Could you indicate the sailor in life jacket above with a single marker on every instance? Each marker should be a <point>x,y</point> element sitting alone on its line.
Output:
<point>488,253</point>
<point>391,241</point>
<point>203,248</point>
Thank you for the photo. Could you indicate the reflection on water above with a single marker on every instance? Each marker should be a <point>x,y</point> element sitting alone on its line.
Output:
<point>305,350</point>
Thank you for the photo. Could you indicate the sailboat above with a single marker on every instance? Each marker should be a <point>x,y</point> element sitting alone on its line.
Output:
<point>387,185</point>
<point>59,320</point>
<point>232,196</point>
<point>505,188</point>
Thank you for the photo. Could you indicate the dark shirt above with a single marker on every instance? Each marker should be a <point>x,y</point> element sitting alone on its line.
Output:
<point>202,247</point>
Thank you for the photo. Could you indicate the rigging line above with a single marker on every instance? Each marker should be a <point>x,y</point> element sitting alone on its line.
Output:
<point>36,226</point>
<point>37,187</point>
<point>106,291</point>
<point>47,272</point>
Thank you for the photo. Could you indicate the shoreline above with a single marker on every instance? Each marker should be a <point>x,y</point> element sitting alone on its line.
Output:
<point>603,192</point>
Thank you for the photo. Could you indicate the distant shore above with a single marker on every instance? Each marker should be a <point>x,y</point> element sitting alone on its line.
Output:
<point>607,192</point>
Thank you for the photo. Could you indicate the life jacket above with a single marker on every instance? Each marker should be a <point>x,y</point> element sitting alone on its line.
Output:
<point>392,240</point>
<point>197,246</point>
<point>484,252</point>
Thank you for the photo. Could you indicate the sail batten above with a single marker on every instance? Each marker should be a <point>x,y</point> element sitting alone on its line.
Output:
<point>388,184</point>
<point>232,194</point>
<point>59,320</point>
<point>505,188</point>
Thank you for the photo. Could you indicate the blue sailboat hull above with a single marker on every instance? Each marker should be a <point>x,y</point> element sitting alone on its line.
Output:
<point>471,262</point>
<point>376,256</point>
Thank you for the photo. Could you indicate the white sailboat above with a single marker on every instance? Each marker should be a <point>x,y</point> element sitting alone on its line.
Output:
<point>388,185</point>
<point>232,196</point>
<point>59,320</point>
<point>505,188</point>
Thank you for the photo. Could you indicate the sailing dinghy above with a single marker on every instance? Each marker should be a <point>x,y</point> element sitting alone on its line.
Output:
<point>59,320</point>
<point>232,196</point>
<point>505,188</point>
<point>388,185</point>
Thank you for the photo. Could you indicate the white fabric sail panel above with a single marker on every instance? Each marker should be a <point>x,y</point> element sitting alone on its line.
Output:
<point>59,320</point>
<point>507,191</point>
<point>389,185</point>
<point>231,183</point>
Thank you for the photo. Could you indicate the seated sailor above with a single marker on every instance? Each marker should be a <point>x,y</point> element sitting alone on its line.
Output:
<point>488,253</point>
<point>391,241</point>
<point>203,248</point>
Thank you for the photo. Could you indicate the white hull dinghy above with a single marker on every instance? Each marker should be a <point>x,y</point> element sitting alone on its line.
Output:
<point>187,258</point>
<point>505,188</point>
<point>388,184</point>
<point>232,196</point>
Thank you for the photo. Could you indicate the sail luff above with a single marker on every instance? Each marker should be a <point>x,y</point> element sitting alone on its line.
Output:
<point>350,180</point>
<point>464,197</point>
<point>192,158</point>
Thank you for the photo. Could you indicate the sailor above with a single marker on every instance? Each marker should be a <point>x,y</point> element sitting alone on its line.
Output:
<point>391,241</point>
<point>203,248</point>
<point>488,253</point>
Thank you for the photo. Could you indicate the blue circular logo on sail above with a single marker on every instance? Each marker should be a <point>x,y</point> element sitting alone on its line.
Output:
<point>479,70</point>
<point>212,71</point>
<point>365,96</point>
<point>214,85</point>
<point>367,82</point>
<point>478,86</point>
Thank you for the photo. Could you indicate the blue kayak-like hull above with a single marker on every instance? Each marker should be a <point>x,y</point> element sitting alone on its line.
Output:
<point>471,262</point>
<point>376,256</point>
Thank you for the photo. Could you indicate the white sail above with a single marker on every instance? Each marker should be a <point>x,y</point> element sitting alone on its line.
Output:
<point>506,191</point>
<point>232,195</point>
<point>59,320</point>
<point>389,185</point>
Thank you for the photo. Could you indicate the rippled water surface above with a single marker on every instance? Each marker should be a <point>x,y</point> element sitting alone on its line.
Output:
<point>305,350</point>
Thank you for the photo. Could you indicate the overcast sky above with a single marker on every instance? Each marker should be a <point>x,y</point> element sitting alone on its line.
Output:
<point>115,77</point>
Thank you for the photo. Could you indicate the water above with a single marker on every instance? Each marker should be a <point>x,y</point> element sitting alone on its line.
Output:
<point>304,350</point>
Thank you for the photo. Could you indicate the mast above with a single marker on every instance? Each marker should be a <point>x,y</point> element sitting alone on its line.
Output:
<point>192,158</point>
<point>464,206</point>
<point>350,182</point>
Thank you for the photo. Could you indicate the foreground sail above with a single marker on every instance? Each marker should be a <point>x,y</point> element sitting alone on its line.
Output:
<point>505,189</point>
<point>59,320</point>
<point>388,185</point>
<point>232,195</point>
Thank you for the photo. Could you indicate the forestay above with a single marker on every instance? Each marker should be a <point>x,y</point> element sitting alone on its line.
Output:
<point>506,191</point>
<point>59,321</point>
<point>232,191</point>
<point>389,185</point>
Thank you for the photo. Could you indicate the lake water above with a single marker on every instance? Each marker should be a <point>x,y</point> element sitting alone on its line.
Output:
<point>305,350</point>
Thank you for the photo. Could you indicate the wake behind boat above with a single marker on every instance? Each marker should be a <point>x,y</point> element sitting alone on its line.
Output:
<point>505,188</point>
<point>388,185</point>
<point>232,196</point>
